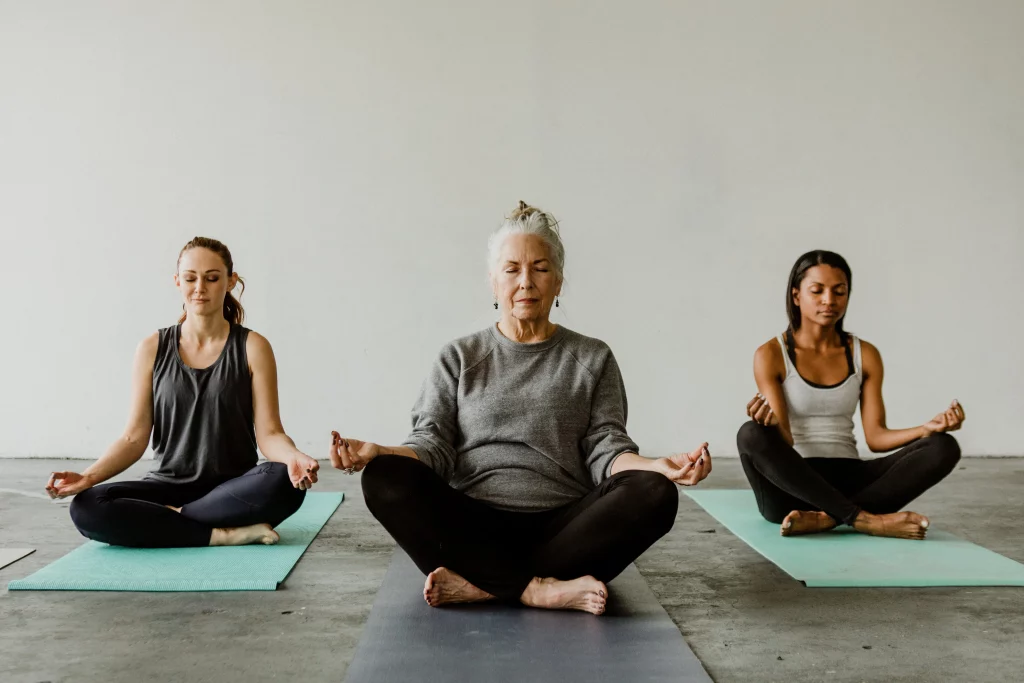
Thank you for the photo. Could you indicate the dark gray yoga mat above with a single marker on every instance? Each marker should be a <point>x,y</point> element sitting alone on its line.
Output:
<point>406,640</point>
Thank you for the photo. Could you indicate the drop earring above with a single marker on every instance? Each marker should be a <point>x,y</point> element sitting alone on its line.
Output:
<point>556,302</point>
<point>495,305</point>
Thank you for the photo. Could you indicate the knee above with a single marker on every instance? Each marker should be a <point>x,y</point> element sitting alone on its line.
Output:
<point>388,478</point>
<point>86,508</point>
<point>654,499</point>
<point>276,474</point>
<point>945,451</point>
<point>752,438</point>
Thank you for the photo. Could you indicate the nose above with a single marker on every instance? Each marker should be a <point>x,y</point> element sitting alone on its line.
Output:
<point>827,297</point>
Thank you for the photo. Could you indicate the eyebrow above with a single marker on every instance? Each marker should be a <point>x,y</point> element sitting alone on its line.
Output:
<point>821,284</point>
<point>213,270</point>
<point>540,260</point>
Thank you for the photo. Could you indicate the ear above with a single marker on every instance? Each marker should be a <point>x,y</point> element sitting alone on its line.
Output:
<point>232,282</point>
<point>796,296</point>
<point>558,289</point>
<point>177,282</point>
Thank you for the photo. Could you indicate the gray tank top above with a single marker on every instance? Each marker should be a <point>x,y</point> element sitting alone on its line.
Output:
<point>821,418</point>
<point>202,419</point>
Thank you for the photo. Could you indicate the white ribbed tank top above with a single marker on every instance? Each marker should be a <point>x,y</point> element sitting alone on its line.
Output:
<point>821,419</point>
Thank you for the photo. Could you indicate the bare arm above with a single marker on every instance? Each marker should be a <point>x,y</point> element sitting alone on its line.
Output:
<point>271,438</point>
<point>769,373</point>
<point>127,450</point>
<point>879,437</point>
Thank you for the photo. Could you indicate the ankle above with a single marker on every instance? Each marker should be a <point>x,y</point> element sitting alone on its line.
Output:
<point>218,537</point>
<point>529,591</point>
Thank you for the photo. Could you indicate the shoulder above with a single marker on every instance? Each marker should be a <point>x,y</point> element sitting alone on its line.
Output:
<point>257,348</point>
<point>149,345</point>
<point>463,353</point>
<point>590,352</point>
<point>870,355</point>
<point>769,352</point>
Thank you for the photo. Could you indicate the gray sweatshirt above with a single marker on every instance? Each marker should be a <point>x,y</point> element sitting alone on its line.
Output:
<point>522,426</point>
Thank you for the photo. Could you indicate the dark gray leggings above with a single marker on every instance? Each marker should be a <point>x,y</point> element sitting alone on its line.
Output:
<point>135,513</point>
<point>784,481</point>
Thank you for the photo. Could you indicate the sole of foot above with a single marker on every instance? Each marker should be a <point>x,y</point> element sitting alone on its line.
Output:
<point>799,522</point>
<point>585,594</point>
<point>909,525</point>
<point>445,587</point>
<point>245,535</point>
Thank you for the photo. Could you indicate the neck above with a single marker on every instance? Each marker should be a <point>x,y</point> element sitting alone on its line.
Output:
<point>205,328</point>
<point>526,331</point>
<point>818,337</point>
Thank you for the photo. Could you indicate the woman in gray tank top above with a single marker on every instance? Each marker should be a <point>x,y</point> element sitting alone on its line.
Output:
<point>799,452</point>
<point>206,390</point>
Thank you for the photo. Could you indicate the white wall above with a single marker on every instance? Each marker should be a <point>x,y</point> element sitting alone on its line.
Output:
<point>355,155</point>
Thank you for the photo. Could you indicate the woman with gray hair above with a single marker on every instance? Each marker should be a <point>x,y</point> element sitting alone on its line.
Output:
<point>518,481</point>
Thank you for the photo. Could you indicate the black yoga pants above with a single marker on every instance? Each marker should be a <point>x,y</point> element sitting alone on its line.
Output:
<point>784,481</point>
<point>135,513</point>
<point>501,551</point>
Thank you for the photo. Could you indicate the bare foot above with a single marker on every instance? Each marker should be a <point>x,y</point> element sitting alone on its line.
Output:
<point>245,535</point>
<point>800,522</point>
<point>445,587</point>
<point>894,525</point>
<point>585,593</point>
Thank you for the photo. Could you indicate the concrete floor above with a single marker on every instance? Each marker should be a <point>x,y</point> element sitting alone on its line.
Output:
<point>744,618</point>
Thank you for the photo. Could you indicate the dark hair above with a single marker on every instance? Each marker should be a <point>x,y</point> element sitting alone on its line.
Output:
<point>818,257</point>
<point>233,311</point>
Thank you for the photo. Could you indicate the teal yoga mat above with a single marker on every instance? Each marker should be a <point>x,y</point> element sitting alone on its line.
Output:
<point>101,567</point>
<point>843,557</point>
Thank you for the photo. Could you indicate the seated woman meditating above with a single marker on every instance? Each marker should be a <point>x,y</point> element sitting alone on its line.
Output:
<point>519,481</point>
<point>206,389</point>
<point>799,451</point>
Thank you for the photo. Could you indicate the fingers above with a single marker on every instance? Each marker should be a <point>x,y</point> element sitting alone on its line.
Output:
<point>51,483</point>
<point>754,404</point>
<point>703,466</point>
<point>959,410</point>
<point>336,442</point>
<point>683,475</point>
<point>761,416</point>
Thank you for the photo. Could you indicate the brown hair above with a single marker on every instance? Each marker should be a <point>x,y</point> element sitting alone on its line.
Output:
<point>233,311</point>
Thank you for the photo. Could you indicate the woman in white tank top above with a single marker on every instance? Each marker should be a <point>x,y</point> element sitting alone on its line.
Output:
<point>798,449</point>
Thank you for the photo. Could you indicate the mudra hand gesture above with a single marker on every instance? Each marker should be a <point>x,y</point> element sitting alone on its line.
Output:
<point>686,469</point>
<point>949,420</point>
<point>760,412</point>
<point>351,455</point>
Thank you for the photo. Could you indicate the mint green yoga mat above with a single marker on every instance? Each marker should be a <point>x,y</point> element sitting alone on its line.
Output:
<point>843,557</point>
<point>101,567</point>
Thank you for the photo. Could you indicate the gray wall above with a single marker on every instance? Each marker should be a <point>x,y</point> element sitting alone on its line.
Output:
<point>355,155</point>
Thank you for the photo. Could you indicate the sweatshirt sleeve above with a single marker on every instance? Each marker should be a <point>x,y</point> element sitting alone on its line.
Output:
<point>435,416</point>
<point>606,436</point>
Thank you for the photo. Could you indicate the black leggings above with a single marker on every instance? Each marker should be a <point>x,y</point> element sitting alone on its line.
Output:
<point>501,551</point>
<point>784,481</point>
<point>134,513</point>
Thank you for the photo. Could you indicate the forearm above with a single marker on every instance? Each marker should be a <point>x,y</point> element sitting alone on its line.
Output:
<point>404,451</point>
<point>121,455</point>
<point>278,447</point>
<point>630,461</point>
<point>883,440</point>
